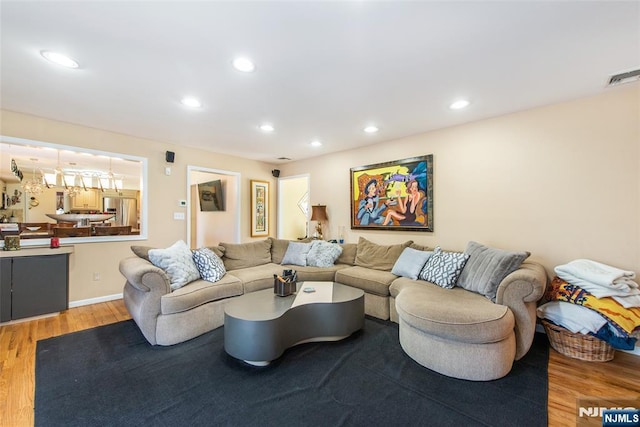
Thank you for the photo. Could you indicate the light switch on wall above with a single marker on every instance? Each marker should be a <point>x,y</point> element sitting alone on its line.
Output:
<point>178,215</point>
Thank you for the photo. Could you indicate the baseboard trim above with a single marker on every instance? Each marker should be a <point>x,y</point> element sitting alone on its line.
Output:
<point>90,301</point>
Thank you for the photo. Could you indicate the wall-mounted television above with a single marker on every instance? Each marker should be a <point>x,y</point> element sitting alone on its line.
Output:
<point>211,196</point>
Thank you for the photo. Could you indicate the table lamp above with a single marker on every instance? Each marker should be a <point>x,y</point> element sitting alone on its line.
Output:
<point>319,213</point>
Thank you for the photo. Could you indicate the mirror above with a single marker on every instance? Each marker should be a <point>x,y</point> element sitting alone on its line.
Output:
<point>75,194</point>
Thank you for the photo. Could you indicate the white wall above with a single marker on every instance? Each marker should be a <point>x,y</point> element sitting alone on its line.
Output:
<point>562,182</point>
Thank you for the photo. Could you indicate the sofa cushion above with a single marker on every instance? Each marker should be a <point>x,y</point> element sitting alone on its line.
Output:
<point>258,277</point>
<point>278,249</point>
<point>378,257</point>
<point>316,274</point>
<point>142,251</point>
<point>243,255</point>
<point>420,247</point>
<point>323,254</point>
<point>210,266</point>
<point>454,314</point>
<point>487,267</point>
<point>177,262</point>
<point>296,253</point>
<point>348,255</point>
<point>410,263</point>
<point>198,293</point>
<point>218,250</point>
<point>371,281</point>
<point>444,268</point>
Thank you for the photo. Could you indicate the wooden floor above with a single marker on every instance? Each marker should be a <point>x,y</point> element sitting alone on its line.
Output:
<point>568,378</point>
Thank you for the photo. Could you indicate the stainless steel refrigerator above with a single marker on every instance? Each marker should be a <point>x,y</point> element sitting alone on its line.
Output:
<point>126,210</point>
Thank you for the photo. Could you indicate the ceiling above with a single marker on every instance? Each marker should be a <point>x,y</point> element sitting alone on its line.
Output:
<point>324,70</point>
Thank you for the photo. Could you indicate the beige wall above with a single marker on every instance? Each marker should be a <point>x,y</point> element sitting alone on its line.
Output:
<point>562,182</point>
<point>292,220</point>
<point>211,228</point>
<point>164,193</point>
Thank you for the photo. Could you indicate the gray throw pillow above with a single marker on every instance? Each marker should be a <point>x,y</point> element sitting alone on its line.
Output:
<point>296,254</point>
<point>444,268</point>
<point>323,254</point>
<point>210,266</point>
<point>411,262</point>
<point>177,262</point>
<point>487,267</point>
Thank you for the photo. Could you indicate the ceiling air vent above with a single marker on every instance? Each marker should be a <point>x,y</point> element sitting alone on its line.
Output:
<point>628,77</point>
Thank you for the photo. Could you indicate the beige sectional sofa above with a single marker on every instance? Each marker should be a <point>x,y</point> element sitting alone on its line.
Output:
<point>447,330</point>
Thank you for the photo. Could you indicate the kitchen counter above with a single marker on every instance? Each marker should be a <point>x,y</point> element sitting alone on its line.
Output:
<point>37,251</point>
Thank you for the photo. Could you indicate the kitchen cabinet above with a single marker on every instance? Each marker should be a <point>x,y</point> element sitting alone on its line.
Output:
<point>33,282</point>
<point>89,200</point>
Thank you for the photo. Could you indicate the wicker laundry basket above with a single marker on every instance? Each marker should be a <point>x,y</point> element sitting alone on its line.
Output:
<point>578,346</point>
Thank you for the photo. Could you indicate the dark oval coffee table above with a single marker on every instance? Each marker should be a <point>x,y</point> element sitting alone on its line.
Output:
<point>260,326</point>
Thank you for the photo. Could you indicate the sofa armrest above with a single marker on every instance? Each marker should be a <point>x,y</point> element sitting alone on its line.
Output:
<point>520,291</point>
<point>144,276</point>
<point>527,284</point>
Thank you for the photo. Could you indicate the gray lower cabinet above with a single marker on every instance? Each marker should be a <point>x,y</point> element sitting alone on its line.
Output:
<point>33,285</point>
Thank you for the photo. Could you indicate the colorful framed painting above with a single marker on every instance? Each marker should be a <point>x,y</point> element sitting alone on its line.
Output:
<point>259,208</point>
<point>395,195</point>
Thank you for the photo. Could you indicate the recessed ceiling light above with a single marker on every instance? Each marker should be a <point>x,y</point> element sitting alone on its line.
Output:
<point>316,143</point>
<point>59,59</point>
<point>371,129</point>
<point>191,102</point>
<point>266,127</point>
<point>459,104</point>
<point>244,64</point>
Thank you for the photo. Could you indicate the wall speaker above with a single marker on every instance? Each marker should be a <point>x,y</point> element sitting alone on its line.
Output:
<point>275,172</point>
<point>170,156</point>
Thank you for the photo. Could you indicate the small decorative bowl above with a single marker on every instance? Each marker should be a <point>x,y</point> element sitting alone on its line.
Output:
<point>33,228</point>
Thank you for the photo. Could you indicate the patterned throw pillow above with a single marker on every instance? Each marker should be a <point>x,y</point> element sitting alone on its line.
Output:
<point>296,254</point>
<point>177,262</point>
<point>323,254</point>
<point>444,268</point>
<point>209,265</point>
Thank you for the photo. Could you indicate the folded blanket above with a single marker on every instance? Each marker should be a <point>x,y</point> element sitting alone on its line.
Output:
<point>607,335</point>
<point>576,318</point>
<point>625,320</point>
<point>598,278</point>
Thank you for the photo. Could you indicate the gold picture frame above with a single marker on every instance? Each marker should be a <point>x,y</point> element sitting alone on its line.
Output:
<point>259,208</point>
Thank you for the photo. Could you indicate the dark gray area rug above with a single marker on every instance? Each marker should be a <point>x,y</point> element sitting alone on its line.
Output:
<point>111,376</point>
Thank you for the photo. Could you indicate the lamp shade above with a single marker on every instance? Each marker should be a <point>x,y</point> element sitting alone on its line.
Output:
<point>319,213</point>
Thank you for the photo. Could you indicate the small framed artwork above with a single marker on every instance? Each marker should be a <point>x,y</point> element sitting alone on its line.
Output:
<point>396,195</point>
<point>259,208</point>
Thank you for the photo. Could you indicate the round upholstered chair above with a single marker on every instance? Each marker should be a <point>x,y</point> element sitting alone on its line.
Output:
<point>471,339</point>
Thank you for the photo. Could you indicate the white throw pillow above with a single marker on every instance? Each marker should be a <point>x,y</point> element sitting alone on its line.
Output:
<point>323,254</point>
<point>177,262</point>
<point>210,266</point>
<point>296,254</point>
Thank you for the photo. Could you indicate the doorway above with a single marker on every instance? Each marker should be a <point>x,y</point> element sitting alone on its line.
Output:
<point>293,207</point>
<point>213,206</point>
